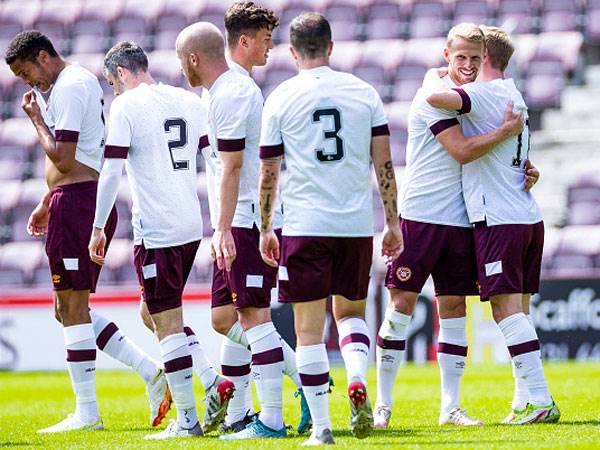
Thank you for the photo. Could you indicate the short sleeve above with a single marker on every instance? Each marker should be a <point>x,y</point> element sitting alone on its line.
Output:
<point>475,101</point>
<point>271,142</point>
<point>437,120</point>
<point>201,118</point>
<point>379,122</point>
<point>118,139</point>
<point>69,109</point>
<point>230,115</point>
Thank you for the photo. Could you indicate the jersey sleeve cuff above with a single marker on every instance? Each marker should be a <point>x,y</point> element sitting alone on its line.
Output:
<point>466,101</point>
<point>66,136</point>
<point>380,130</point>
<point>203,142</point>
<point>442,125</point>
<point>271,151</point>
<point>231,145</point>
<point>115,151</point>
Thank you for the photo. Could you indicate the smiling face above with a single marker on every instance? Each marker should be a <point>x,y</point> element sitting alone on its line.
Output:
<point>464,60</point>
<point>259,46</point>
<point>35,73</point>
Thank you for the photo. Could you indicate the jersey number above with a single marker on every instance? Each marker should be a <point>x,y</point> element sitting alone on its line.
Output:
<point>330,134</point>
<point>516,162</point>
<point>180,142</point>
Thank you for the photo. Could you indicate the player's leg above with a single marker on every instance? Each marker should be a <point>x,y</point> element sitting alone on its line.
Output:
<point>72,308</point>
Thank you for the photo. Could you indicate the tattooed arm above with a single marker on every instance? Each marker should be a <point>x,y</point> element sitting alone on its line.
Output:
<point>386,179</point>
<point>267,191</point>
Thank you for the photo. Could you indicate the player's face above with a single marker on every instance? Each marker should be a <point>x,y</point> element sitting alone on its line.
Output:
<point>260,45</point>
<point>114,83</point>
<point>187,69</point>
<point>464,60</point>
<point>33,73</point>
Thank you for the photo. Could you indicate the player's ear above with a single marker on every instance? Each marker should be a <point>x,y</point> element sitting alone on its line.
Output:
<point>42,57</point>
<point>446,54</point>
<point>329,48</point>
<point>244,41</point>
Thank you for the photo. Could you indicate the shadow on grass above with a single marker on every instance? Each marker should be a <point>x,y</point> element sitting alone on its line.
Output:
<point>577,422</point>
<point>18,444</point>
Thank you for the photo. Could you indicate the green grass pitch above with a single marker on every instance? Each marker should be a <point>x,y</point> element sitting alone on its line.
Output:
<point>35,400</point>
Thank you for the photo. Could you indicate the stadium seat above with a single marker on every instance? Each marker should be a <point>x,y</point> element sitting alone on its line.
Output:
<point>584,213</point>
<point>517,15</point>
<point>17,141</point>
<point>345,18</point>
<point>397,114</point>
<point>14,12</point>
<point>177,14</point>
<point>428,19</point>
<point>56,18</point>
<point>545,81</point>
<point>475,11</point>
<point>565,47</point>
<point>119,262</point>
<point>18,261</point>
<point>291,10</point>
<point>585,189</point>
<point>592,22</point>
<point>385,20</point>
<point>95,20</point>
<point>345,55</point>
<point>214,12</point>
<point>559,15</point>
<point>578,249</point>
<point>94,62</point>
<point>165,67</point>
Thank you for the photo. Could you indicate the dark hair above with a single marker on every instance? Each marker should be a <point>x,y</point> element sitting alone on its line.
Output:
<point>310,35</point>
<point>27,45</point>
<point>128,55</point>
<point>247,18</point>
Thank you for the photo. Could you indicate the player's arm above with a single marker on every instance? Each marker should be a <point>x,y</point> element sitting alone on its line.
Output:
<point>61,151</point>
<point>386,179</point>
<point>37,225</point>
<point>448,99</point>
<point>466,149</point>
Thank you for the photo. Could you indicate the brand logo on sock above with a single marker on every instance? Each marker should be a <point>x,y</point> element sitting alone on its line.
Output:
<point>518,364</point>
<point>322,393</point>
<point>460,365</point>
<point>187,377</point>
<point>256,375</point>
<point>403,273</point>
<point>185,413</point>
<point>91,369</point>
<point>387,359</point>
<point>360,350</point>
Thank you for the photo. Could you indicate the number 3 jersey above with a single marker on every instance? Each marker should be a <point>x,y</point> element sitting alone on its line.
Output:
<point>323,121</point>
<point>159,129</point>
<point>493,184</point>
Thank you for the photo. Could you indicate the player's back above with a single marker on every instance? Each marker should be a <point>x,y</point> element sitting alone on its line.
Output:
<point>326,119</point>
<point>167,124</point>
<point>493,184</point>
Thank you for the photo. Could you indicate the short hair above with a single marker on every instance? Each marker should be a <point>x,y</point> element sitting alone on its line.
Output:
<point>247,18</point>
<point>128,55</point>
<point>27,45</point>
<point>499,47</point>
<point>310,35</point>
<point>467,31</point>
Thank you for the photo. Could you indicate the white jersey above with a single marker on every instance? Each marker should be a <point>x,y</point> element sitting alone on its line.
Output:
<point>159,129</point>
<point>74,113</point>
<point>234,115</point>
<point>493,184</point>
<point>323,121</point>
<point>431,190</point>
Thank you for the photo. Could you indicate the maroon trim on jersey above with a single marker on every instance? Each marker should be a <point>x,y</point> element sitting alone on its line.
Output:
<point>443,125</point>
<point>66,136</point>
<point>466,101</point>
<point>524,347</point>
<point>271,151</point>
<point>115,151</point>
<point>381,130</point>
<point>203,142</point>
<point>452,349</point>
<point>231,145</point>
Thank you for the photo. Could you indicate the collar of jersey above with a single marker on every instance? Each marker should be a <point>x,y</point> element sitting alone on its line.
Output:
<point>317,70</point>
<point>238,68</point>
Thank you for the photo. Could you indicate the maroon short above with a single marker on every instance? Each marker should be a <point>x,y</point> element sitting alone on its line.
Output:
<point>250,281</point>
<point>312,268</point>
<point>447,253</point>
<point>70,223</point>
<point>162,273</point>
<point>509,258</point>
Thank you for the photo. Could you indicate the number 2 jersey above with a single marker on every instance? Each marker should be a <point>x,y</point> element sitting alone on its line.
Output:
<point>493,184</point>
<point>322,121</point>
<point>159,129</point>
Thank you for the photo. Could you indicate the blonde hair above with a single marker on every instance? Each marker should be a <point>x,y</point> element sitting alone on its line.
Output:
<point>467,31</point>
<point>499,46</point>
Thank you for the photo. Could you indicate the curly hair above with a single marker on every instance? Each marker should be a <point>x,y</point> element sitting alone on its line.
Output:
<point>27,45</point>
<point>247,18</point>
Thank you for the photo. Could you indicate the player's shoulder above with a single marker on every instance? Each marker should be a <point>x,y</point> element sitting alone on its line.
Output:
<point>76,77</point>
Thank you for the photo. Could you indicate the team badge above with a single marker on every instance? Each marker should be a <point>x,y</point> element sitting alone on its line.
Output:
<point>56,279</point>
<point>403,273</point>
<point>233,297</point>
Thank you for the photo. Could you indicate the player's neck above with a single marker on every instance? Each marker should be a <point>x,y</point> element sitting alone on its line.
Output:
<point>214,71</point>
<point>239,59</point>
<point>307,64</point>
<point>489,73</point>
<point>142,78</point>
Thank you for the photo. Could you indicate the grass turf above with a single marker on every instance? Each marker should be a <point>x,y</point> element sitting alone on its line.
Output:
<point>36,400</point>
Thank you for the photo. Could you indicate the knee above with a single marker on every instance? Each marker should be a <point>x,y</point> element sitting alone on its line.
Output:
<point>147,320</point>
<point>403,301</point>
<point>221,325</point>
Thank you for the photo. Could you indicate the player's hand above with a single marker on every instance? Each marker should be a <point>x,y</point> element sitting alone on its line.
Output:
<point>532,175</point>
<point>37,225</point>
<point>393,243</point>
<point>269,248</point>
<point>30,104</point>
<point>223,249</point>
<point>97,245</point>
<point>513,122</point>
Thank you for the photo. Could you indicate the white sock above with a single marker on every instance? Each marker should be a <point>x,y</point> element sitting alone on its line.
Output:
<point>313,367</point>
<point>289,363</point>
<point>452,357</point>
<point>202,366</point>
<point>354,345</point>
<point>267,367</point>
<point>111,340</point>
<point>235,365</point>
<point>81,362</point>
<point>178,370</point>
<point>391,347</point>
<point>237,335</point>
<point>521,394</point>
<point>524,348</point>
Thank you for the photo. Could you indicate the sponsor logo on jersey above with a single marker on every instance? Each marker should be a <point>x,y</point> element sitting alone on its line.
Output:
<point>56,279</point>
<point>403,273</point>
